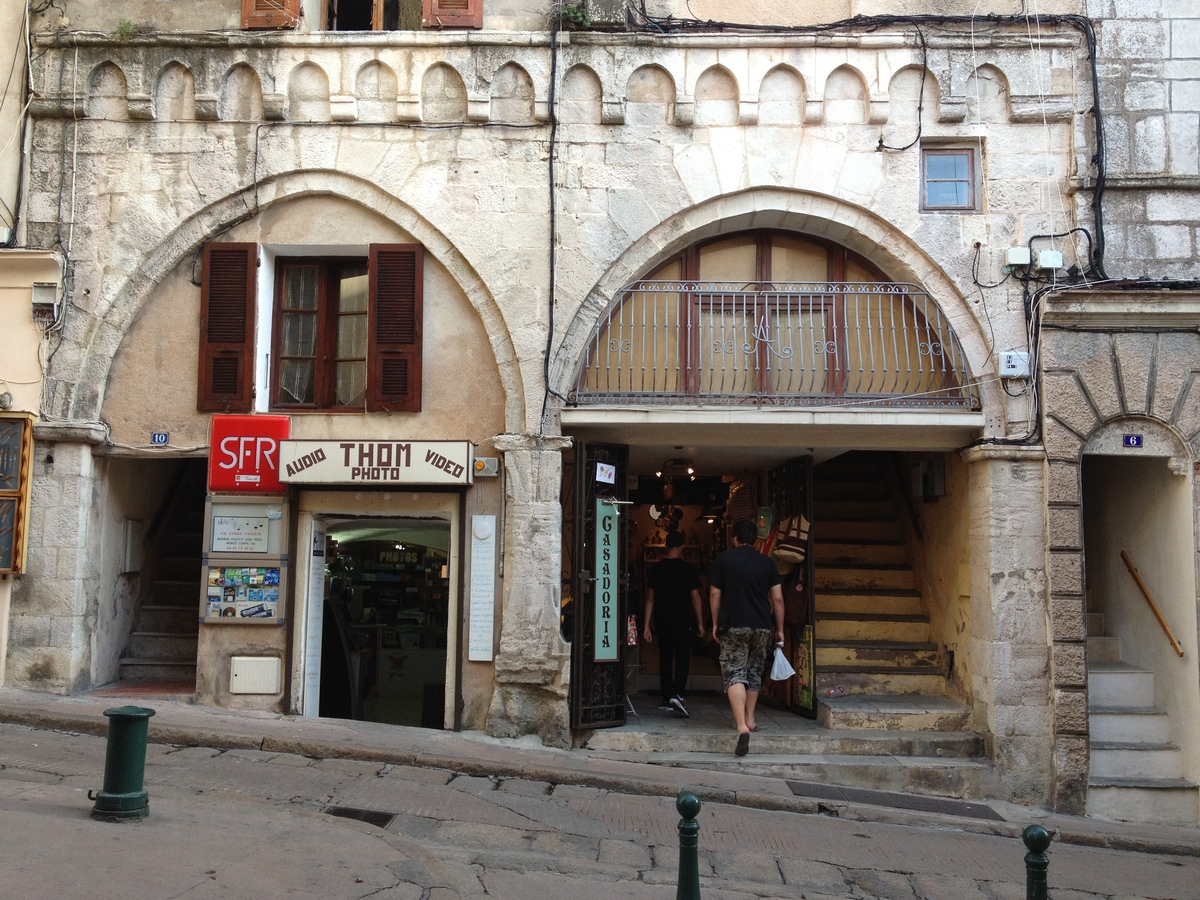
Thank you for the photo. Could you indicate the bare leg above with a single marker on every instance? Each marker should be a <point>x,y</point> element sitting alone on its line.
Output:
<point>737,703</point>
<point>751,702</point>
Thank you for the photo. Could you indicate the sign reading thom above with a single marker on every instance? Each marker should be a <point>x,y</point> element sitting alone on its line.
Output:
<point>243,454</point>
<point>377,462</point>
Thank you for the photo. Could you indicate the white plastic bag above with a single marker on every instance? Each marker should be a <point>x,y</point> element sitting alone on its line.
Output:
<point>781,669</point>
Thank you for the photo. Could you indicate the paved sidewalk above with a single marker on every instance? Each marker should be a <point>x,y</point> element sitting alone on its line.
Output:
<point>181,723</point>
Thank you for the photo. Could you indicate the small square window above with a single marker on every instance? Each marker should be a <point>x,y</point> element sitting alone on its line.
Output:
<point>949,179</point>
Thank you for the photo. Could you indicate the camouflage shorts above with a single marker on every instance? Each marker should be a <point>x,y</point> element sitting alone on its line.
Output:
<point>744,655</point>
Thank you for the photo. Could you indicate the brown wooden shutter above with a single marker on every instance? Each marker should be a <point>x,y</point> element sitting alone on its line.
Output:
<point>452,13</point>
<point>227,290</point>
<point>394,325</point>
<point>270,13</point>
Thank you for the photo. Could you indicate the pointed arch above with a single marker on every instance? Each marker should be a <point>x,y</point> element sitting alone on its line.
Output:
<point>107,93</point>
<point>512,96</point>
<point>241,96</point>
<point>781,97</point>
<point>717,98</point>
<point>376,90</point>
<point>582,97</point>
<point>845,97</point>
<point>175,94</point>
<point>308,94</point>
<point>443,95</point>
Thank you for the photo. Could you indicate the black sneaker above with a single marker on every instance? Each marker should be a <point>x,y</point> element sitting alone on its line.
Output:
<point>679,706</point>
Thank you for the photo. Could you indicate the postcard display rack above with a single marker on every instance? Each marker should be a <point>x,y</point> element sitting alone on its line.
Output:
<point>245,564</point>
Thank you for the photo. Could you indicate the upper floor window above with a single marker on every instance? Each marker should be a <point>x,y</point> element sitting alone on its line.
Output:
<point>949,179</point>
<point>364,15</point>
<point>346,333</point>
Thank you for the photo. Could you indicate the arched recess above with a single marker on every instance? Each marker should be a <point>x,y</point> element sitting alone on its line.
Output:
<point>376,90</point>
<point>308,94</point>
<point>650,97</point>
<point>781,97</point>
<point>241,96</point>
<point>107,93</point>
<point>175,94</point>
<point>443,95</point>
<point>113,320</point>
<point>845,97</point>
<point>805,214</point>
<point>512,96</point>
<point>581,97</point>
<point>987,95</point>
<point>716,97</point>
<point>911,89</point>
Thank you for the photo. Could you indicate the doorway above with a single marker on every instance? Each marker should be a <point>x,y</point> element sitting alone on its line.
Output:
<point>378,631</point>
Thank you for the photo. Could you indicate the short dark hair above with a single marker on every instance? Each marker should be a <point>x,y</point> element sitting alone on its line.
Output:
<point>745,531</point>
<point>675,539</point>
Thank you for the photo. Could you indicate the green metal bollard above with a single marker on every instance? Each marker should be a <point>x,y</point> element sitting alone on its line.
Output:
<point>688,805</point>
<point>1037,839</point>
<point>124,766</point>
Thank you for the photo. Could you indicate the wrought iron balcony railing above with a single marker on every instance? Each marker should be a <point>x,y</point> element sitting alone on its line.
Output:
<point>883,344</point>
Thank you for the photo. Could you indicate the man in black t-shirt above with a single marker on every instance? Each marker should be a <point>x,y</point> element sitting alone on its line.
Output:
<point>746,600</point>
<point>673,606</point>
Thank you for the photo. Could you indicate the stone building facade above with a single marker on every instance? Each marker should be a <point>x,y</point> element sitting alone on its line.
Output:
<point>535,174</point>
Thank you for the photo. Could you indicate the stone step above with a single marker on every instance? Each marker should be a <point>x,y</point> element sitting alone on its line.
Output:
<point>1103,649</point>
<point>1095,624</point>
<point>839,529</point>
<point>869,602</point>
<point>839,681</point>
<point>1129,724</point>
<point>171,619</point>
<point>878,654</point>
<point>1116,684</point>
<point>853,552</point>
<point>176,592</point>
<point>1163,801</point>
<point>168,670</point>
<point>163,645</point>
<point>882,577</point>
<point>871,626</point>
<point>868,510</point>
<point>907,712</point>
<point>1135,760</point>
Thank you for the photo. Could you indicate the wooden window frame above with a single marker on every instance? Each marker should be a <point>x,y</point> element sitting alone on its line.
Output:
<point>270,13</point>
<point>328,312</point>
<point>227,314</point>
<point>972,181</point>
<point>452,13</point>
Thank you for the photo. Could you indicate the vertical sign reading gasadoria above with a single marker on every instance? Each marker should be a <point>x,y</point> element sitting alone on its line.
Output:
<point>607,566</point>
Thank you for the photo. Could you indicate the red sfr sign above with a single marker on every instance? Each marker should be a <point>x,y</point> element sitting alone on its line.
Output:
<point>243,453</point>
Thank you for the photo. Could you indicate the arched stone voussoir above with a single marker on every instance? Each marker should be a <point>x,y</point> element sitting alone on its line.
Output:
<point>804,212</point>
<point>95,353</point>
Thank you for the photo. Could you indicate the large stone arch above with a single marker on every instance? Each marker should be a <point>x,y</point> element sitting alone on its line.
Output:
<point>814,214</point>
<point>79,393</point>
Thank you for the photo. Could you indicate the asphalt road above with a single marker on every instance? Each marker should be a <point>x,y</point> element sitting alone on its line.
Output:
<point>249,824</point>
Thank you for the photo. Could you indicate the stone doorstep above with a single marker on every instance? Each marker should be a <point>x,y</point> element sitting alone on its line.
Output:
<point>1135,760</point>
<point>910,712</point>
<point>1129,723</point>
<point>1161,801</point>
<point>850,743</point>
<point>156,670</point>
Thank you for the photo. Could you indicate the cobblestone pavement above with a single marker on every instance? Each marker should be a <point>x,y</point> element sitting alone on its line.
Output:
<point>243,823</point>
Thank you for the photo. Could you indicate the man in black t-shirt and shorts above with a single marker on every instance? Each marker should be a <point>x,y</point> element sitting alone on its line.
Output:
<point>746,599</point>
<point>673,606</point>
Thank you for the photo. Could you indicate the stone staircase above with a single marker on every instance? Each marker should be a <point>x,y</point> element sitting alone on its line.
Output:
<point>876,665</point>
<point>1136,773</point>
<point>163,640</point>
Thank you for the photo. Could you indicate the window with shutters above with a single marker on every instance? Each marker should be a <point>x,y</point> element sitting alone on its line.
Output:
<point>407,15</point>
<point>270,13</point>
<point>345,333</point>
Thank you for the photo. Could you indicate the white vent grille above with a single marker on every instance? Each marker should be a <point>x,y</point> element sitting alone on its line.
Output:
<point>254,675</point>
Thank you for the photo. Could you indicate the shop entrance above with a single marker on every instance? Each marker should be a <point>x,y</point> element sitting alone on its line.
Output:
<point>378,630</point>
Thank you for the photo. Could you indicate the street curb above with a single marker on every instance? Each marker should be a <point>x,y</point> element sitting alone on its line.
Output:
<point>641,783</point>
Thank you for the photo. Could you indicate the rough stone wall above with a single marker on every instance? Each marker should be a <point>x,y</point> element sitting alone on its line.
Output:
<point>1149,68</point>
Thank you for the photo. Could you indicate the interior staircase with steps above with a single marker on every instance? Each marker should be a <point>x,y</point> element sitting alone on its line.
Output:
<point>876,665</point>
<point>163,639</point>
<point>1136,772</point>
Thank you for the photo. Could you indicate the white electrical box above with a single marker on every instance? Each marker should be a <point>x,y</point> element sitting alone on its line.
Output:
<point>254,675</point>
<point>1050,259</point>
<point>1017,256</point>
<point>1014,364</point>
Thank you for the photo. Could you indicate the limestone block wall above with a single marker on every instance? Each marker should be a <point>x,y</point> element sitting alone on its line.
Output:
<point>1097,372</point>
<point>1149,68</point>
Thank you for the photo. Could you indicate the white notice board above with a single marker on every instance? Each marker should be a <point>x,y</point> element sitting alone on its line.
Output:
<point>483,588</point>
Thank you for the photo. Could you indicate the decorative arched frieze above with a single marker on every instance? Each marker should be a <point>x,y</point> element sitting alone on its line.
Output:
<point>443,95</point>
<point>308,94</point>
<point>650,97</point>
<point>581,97</point>
<point>107,93</point>
<point>78,390</point>
<point>987,95</point>
<point>845,97</point>
<point>241,95</point>
<point>174,94</point>
<point>376,91</point>
<point>781,97</point>
<point>717,99</point>
<point>512,96</point>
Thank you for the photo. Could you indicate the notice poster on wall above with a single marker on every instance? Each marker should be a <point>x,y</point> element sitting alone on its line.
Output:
<point>239,534</point>
<point>241,594</point>
<point>483,588</point>
<point>607,567</point>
